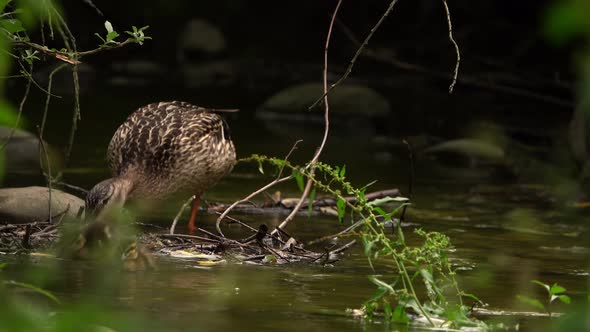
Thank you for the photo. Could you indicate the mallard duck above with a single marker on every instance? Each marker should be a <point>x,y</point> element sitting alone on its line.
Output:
<point>163,149</point>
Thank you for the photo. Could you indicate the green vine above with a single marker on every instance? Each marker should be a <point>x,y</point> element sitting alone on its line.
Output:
<point>397,299</point>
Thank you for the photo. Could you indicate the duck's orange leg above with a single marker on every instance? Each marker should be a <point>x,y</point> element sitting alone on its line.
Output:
<point>195,208</point>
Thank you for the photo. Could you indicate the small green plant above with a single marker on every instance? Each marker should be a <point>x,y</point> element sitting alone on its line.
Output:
<point>554,292</point>
<point>397,297</point>
<point>136,36</point>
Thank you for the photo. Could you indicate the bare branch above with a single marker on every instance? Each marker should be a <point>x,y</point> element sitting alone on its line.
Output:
<point>452,39</point>
<point>20,111</point>
<point>277,180</point>
<point>357,54</point>
<point>318,152</point>
<point>184,206</point>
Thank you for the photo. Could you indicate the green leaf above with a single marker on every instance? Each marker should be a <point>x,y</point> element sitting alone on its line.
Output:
<point>12,25</point>
<point>556,289</point>
<point>299,179</point>
<point>310,201</point>
<point>260,169</point>
<point>379,293</point>
<point>8,115</point>
<point>3,4</point>
<point>342,171</point>
<point>108,26</point>
<point>400,315</point>
<point>341,205</point>
<point>100,37</point>
<point>566,19</point>
<point>385,200</point>
<point>35,289</point>
<point>382,284</point>
<point>471,296</point>
<point>387,311</point>
<point>542,285</point>
<point>530,301</point>
<point>565,299</point>
<point>112,35</point>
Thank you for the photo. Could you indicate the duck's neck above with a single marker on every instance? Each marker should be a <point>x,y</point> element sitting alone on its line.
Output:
<point>123,187</point>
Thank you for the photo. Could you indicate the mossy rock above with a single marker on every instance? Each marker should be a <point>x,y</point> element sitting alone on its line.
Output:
<point>29,204</point>
<point>22,152</point>
<point>200,35</point>
<point>347,99</point>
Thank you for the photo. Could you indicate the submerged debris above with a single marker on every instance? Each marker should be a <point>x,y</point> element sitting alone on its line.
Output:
<point>207,251</point>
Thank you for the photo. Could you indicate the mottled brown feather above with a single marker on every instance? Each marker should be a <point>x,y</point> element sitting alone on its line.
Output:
<point>167,147</point>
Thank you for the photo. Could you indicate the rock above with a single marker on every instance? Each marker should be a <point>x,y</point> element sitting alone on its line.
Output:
<point>29,204</point>
<point>346,99</point>
<point>137,73</point>
<point>208,73</point>
<point>200,37</point>
<point>468,148</point>
<point>22,152</point>
<point>352,108</point>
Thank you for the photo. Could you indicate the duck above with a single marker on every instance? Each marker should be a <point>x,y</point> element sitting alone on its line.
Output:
<point>163,149</point>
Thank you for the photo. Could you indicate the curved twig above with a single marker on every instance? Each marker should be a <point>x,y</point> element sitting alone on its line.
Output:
<point>452,39</point>
<point>318,152</point>
<point>356,55</point>
<point>184,206</point>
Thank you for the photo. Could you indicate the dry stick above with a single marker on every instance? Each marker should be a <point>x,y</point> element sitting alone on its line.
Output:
<point>466,80</point>
<point>48,98</point>
<point>48,177</point>
<point>76,115</point>
<point>184,206</point>
<point>357,54</point>
<point>452,39</point>
<point>237,221</point>
<point>247,198</point>
<point>277,180</point>
<point>20,111</point>
<point>184,236</point>
<point>315,158</point>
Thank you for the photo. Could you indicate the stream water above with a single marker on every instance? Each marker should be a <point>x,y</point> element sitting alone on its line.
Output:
<point>505,233</point>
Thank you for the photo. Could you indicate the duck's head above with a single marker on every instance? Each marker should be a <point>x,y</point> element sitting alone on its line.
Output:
<point>107,195</point>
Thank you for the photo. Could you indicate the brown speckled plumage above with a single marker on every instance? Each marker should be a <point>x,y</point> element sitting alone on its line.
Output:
<point>169,147</point>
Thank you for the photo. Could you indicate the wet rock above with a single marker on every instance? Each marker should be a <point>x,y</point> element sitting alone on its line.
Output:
<point>29,204</point>
<point>137,73</point>
<point>344,100</point>
<point>200,39</point>
<point>22,152</point>
<point>474,150</point>
<point>352,107</point>
<point>210,73</point>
